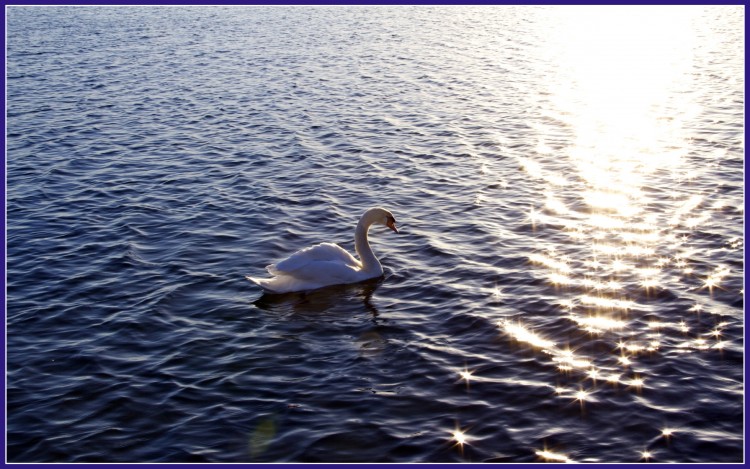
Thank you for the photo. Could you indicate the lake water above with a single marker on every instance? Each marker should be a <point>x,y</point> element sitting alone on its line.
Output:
<point>568,280</point>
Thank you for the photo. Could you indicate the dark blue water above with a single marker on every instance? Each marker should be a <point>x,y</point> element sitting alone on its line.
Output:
<point>567,284</point>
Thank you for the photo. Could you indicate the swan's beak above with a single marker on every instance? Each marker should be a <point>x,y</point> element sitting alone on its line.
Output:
<point>392,225</point>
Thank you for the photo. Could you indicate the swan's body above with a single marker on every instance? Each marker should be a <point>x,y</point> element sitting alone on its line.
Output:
<point>328,264</point>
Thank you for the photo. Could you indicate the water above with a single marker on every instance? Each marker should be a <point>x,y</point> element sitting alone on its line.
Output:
<point>567,284</point>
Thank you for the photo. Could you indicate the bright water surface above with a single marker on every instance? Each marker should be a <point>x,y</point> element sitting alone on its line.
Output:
<point>568,280</point>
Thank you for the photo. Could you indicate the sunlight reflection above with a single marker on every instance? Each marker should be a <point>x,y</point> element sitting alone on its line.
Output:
<point>582,395</point>
<point>614,378</point>
<point>716,277</point>
<point>630,250</point>
<point>634,348</point>
<point>667,432</point>
<point>619,266</point>
<point>567,360</point>
<point>559,279</point>
<point>522,334</point>
<point>623,221</point>
<point>610,201</point>
<point>598,324</point>
<point>466,376</point>
<point>648,272</point>
<point>460,439</point>
<point>535,170</point>
<point>534,217</point>
<point>688,206</point>
<point>556,205</point>
<point>636,382</point>
<point>549,262</point>
<point>548,455</point>
<point>607,303</point>
<point>599,287</point>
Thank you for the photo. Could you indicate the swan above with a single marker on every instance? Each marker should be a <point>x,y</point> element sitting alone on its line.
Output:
<point>328,264</point>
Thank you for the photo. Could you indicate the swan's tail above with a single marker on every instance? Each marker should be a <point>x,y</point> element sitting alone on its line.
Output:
<point>264,283</point>
<point>284,284</point>
<point>258,281</point>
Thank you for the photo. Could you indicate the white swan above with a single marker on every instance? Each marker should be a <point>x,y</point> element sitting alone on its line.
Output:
<point>328,264</point>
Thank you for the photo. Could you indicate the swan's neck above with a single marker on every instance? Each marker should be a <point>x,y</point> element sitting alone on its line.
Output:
<point>370,263</point>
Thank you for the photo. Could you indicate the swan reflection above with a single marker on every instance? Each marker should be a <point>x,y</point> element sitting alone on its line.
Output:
<point>328,300</point>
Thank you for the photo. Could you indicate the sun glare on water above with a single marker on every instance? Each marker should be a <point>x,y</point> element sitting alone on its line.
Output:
<point>621,97</point>
<point>618,88</point>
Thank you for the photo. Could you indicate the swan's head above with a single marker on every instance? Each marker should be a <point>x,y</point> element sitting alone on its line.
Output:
<point>381,216</point>
<point>390,222</point>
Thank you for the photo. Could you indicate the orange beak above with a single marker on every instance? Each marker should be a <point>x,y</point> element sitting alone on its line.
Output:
<point>392,225</point>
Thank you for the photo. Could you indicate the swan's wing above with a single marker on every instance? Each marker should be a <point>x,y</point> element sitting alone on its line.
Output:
<point>313,275</point>
<point>320,253</point>
<point>325,273</point>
